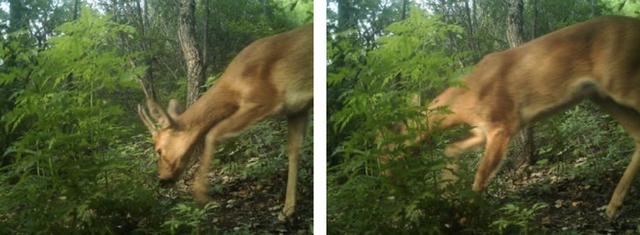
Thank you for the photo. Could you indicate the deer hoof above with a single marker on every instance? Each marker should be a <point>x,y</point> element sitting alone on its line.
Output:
<point>282,218</point>
<point>285,214</point>
<point>612,212</point>
<point>202,198</point>
<point>200,193</point>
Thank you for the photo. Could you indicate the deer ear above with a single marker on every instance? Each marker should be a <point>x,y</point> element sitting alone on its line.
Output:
<point>159,114</point>
<point>174,109</point>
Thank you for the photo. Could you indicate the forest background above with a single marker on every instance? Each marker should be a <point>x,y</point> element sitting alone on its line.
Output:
<point>75,157</point>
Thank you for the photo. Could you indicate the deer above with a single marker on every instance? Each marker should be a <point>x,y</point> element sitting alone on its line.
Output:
<point>598,59</point>
<point>271,77</point>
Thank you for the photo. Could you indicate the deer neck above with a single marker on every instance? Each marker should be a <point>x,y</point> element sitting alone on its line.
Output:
<point>211,108</point>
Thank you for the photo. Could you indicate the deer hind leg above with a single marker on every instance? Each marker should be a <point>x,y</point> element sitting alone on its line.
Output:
<point>630,121</point>
<point>495,150</point>
<point>242,118</point>
<point>297,127</point>
<point>453,150</point>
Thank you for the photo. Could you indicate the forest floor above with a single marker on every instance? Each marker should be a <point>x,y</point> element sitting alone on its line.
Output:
<point>246,203</point>
<point>576,200</point>
<point>253,206</point>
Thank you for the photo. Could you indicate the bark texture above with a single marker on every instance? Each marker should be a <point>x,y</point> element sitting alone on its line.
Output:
<point>515,23</point>
<point>188,44</point>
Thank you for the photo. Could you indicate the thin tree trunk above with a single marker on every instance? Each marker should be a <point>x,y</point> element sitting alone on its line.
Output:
<point>148,78</point>
<point>140,17</point>
<point>205,35</point>
<point>115,10</point>
<point>515,34</point>
<point>534,24</point>
<point>76,8</point>
<point>474,8</point>
<point>446,17</point>
<point>195,74</point>
<point>404,9</point>
<point>187,38</point>
<point>265,7</point>
<point>17,19</point>
<point>473,42</point>
<point>345,17</point>
<point>515,23</point>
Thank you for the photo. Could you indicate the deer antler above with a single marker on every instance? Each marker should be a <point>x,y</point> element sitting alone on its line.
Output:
<point>146,120</point>
<point>159,115</point>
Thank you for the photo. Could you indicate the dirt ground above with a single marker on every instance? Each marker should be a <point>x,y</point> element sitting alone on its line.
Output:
<point>250,206</point>
<point>576,204</point>
<point>246,205</point>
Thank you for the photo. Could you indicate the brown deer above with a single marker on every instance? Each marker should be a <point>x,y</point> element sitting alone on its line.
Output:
<point>272,76</point>
<point>598,59</point>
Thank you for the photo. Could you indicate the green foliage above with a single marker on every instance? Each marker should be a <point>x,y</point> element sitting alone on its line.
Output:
<point>517,220</point>
<point>75,158</point>
<point>572,136</point>
<point>235,24</point>
<point>624,7</point>
<point>61,168</point>
<point>382,83</point>
<point>406,62</point>
<point>188,217</point>
<point>301,11</point>
<point>260,152</point>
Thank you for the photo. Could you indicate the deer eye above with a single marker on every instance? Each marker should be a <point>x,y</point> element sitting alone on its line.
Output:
<point>159,151</point>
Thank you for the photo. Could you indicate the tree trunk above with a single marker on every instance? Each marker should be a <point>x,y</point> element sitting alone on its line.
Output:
<point>473,41</point>
<point>187,38</point>
<point>266,10</point>
<point>148,78</point>
<point>76,9</point>
<point>141,18</point>
<point>205,36</point>
<point>114,4</point>
<point>515,34</point>
<point>534,24</point>
<point>195,74</point>
<point>404,9</point>
<point>345,15</point>
<point>515,23</point>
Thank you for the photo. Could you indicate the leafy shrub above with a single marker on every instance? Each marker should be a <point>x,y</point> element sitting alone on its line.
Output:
<point>187,217</point>
<point>517,219</point>
<point>73,158</point>
<point>73,168</point>
<point>381,86</point>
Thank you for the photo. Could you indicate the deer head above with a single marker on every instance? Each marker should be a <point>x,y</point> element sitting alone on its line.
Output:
<point>171,142</point>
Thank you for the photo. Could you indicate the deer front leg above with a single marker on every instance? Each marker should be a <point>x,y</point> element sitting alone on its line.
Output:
<point>245,116</point>
<point>495,150</point>
<point>297,126</point>
<point>200,183</point>
<point>453,150</point>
